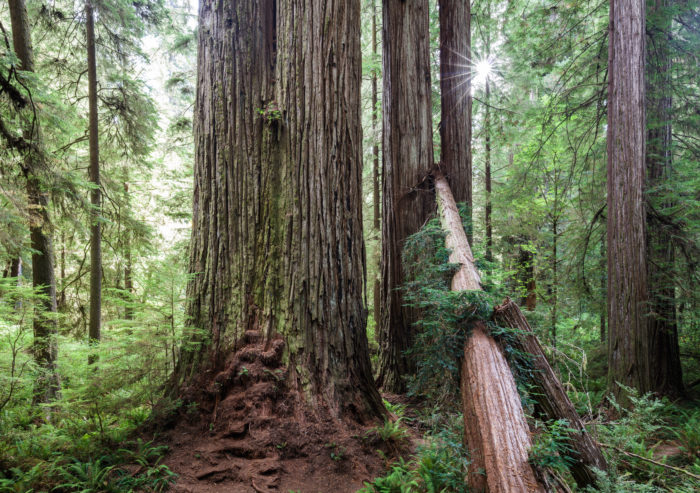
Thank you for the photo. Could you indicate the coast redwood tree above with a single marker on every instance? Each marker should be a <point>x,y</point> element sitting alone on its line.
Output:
<point>407,162</point>
<point>667,375</point>
<point>277,235</point>
<point>629,350</point>
<point>455,91</point>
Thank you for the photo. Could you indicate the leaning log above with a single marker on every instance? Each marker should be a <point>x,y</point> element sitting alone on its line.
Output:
<point>550,395</point>
<point>496,432</point>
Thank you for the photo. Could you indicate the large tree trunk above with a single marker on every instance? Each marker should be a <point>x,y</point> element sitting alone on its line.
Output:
<point>277,234</point>
<point>629,347</point>
<point>407,161</point>
<point>496,432</point>
<point>667,378</point>
<point>45,348</point>
<point>95,236</point>
<point>456,98</point>
<point>550,395</point>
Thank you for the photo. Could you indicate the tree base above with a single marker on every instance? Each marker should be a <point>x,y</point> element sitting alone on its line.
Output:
<point>245,430</point>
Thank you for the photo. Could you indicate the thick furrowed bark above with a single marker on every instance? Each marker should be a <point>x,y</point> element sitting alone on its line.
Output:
<point>407,158</point>
<point>496,432</point>
<point>277,225</point>
<point>455,91</point>
<point>666,376</point>
<point>630,355</point>
<point>551,396</point>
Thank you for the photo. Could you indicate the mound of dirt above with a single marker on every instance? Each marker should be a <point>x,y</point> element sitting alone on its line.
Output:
<point>244,431</point>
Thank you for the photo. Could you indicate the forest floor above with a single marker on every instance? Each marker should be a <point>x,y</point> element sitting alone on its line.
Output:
<point>247,433</point>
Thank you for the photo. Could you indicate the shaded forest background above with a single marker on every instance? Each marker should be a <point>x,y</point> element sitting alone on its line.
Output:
<point>538,229</point>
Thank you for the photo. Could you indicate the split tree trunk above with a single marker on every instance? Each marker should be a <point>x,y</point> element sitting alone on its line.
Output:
<point>45,348</point>
<point>629,351</point>
<point>95,236</point>
<point>496,432</point>
<point>277,236</point>
<point>407,158</point>
<point>551,396</point>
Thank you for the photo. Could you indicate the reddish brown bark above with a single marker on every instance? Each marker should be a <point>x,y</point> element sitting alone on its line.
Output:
<point>667,376</point>
<point>550,395</point>
<point>407,199</point>
<point>628,344</point>
<point>277,234</point>
<point>376,173</point>
<point>496,432</point>
<point>456,99</point>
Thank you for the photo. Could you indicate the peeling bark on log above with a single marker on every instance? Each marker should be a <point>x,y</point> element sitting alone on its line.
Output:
<point>496,432</point>
<point>551,396</point>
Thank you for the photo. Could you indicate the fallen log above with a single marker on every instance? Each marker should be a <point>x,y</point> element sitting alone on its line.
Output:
<point>550,395</point>
<point>496,432</point>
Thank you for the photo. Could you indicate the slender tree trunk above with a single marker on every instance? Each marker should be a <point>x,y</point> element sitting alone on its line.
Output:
<point>61,299</point>
<point>376,179</point>
<point>629,348</point>
<point>555,279</point>
<point>16,268</point>
<point>496,432</point>
<point>46,386</point>
<point>487,174</point>
<point>95,199</point>
<point>526,268</point>
<point>603,287</point>
<point>128,281</point>
<point>456,99</point>
<point>277,234</point>
<point>407,161</point>
<point>667,376</point>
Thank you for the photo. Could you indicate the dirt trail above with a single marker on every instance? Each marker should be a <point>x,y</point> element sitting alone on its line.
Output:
<point>244,431</point>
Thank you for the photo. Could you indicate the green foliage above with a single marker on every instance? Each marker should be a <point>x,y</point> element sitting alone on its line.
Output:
<point>687,433</point>
<point>551,448</point>
<point>392,431</point>
<point>642,432</point>
<point>445,316</point>
<point>86,441</point>
<point>400,479</point>
<point>87,477</point>
<point>439,467</point>
<point>105,474</point>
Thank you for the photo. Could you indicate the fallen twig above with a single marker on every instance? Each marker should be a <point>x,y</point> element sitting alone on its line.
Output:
<point>636,456</point>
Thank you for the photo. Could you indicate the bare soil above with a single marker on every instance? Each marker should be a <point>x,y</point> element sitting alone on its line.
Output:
<point>243,430</point>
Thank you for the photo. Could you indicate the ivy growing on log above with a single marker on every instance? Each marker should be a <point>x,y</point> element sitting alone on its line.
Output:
<point>447,317</point>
